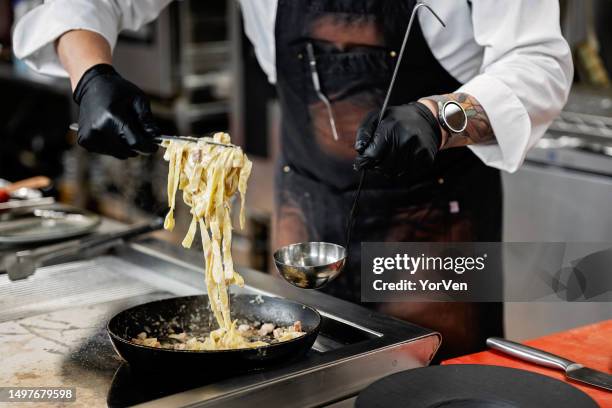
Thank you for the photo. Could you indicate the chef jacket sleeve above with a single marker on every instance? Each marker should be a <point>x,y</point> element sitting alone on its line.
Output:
<point>525,76</point>
<point>35,34</point>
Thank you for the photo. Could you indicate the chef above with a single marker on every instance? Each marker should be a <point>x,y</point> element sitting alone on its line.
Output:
<point>470,100</point>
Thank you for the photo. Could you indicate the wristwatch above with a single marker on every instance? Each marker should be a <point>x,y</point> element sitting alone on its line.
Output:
<point>451,115</point>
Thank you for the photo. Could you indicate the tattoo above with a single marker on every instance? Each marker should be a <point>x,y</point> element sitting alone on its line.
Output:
<point>478,129</point>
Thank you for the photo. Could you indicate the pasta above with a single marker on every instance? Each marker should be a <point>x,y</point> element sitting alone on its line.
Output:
<point>209,175</point>
<point>255,332</point>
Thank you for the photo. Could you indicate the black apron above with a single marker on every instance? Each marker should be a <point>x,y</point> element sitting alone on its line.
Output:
<point>355,44</point>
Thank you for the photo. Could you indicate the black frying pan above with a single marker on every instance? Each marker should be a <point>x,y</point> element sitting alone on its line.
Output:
<point>193,315</point>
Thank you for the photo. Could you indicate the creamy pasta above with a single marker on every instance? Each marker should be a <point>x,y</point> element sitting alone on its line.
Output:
<point>209,175</point>
<point>256,333</point>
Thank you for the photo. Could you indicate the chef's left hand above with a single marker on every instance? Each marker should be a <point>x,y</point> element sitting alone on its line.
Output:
<point>405,142</point>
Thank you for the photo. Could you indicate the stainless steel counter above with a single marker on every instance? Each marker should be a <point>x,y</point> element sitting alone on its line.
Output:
<point>52,333</point>
<point>562,194</point>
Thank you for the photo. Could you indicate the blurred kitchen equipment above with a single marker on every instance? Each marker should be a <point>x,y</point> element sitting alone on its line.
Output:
<point>6,23</point>
<point>573,371</point>
<point>75,127</point>
<point>321,262</point>
<point>602,13</point>
<point>31,183</point>
<point>33,202</point>
<point>566,176</point>
<point>24,263</point>
<point>573,160</point>
<point>181,58</point>
<point>190,314</point>
<point>46,223</point>
<point>4,196</point>
<point>471,386</point>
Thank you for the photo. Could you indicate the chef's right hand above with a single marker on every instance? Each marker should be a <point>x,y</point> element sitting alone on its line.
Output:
<point>114,116</point>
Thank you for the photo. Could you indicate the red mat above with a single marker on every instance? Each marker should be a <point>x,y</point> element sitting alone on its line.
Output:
<point>588,345</point>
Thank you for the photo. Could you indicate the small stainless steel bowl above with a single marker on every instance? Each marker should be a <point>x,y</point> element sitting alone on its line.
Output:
<point>310,265</point>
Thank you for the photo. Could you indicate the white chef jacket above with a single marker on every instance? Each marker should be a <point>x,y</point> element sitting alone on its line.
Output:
<point>509,54</point>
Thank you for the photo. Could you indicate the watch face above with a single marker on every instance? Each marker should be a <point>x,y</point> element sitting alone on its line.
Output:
<point>454,116</point>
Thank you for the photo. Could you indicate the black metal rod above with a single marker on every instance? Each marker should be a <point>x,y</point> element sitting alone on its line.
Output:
<point>401,54</point>
<point>355,206</point>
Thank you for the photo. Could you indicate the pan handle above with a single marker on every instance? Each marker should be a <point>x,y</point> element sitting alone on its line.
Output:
<point>527,353</point>
<point>24,263</point>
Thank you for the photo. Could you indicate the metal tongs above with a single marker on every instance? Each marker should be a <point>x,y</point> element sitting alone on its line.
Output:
<point>24,263</point>
<point>159,139</point>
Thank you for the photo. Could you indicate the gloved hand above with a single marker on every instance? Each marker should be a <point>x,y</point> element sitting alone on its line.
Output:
<point>405,142</point>
<point>114,117</point>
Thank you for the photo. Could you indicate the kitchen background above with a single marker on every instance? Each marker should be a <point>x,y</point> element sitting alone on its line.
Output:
<point>201,73</point>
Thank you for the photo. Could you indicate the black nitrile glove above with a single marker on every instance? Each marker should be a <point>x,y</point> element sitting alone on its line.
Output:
<point>405,142</point>
<point>114,116</point>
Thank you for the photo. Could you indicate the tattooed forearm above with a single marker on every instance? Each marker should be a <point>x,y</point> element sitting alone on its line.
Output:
<point>478,130</point>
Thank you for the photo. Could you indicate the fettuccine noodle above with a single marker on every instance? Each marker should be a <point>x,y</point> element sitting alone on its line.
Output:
<point>209,175</point>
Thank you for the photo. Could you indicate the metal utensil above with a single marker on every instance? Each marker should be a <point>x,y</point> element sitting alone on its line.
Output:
<point>573,370</point>
<point>24,263</point>
<point>311,265</point>
<point>316,83</point>
<point>191,139</point>
<point>46,223</point>
<point>159,139</point>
